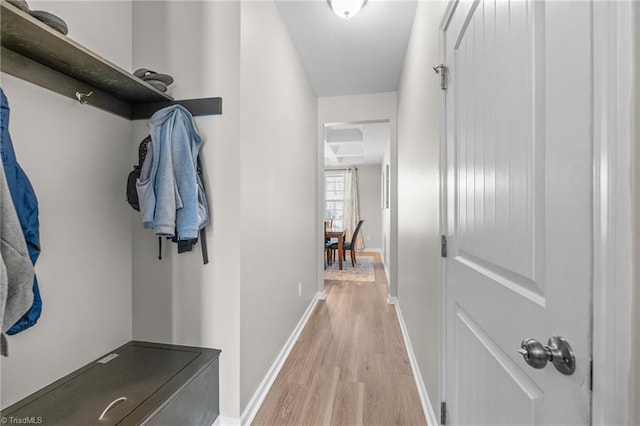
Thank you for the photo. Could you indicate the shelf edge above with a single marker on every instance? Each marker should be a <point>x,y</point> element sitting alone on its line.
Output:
<point>34,72</point>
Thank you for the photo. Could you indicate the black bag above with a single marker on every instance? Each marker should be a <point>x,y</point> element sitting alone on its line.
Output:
<point>132,193</point>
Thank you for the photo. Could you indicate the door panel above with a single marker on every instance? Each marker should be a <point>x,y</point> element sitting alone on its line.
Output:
<point>489,370</point>
<point>496,150</point>
<point>519,149</point>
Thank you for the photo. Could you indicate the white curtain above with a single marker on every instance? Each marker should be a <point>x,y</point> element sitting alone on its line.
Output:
<point>351,207</point>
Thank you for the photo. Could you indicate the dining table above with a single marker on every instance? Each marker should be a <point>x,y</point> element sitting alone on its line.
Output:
<point>339,235</point>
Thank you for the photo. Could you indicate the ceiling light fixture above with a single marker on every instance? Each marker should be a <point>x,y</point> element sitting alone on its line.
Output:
<point>346,8</point>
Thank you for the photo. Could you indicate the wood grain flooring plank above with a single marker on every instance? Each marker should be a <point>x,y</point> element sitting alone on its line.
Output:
<point>345,404</point>
<point>328,411</point>
<point>318,397</point>
<point>284,409</point>
<point>407,401</point>
<point>360,410</point>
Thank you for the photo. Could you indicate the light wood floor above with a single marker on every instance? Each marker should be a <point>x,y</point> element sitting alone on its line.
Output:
<point>349,366</point>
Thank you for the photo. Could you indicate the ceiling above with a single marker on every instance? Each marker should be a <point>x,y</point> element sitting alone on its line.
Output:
<point>354,56</point>
<point>355,144</point>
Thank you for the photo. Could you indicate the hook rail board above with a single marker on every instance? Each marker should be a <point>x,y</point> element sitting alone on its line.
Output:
<point>36,53</point>
<point>197,107</point>
<point>43,76</point>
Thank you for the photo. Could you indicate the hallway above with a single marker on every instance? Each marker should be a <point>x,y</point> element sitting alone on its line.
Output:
<point>349,366</point>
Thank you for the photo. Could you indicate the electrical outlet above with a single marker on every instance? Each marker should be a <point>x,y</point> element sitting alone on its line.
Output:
<point>368,237</point>
<point>300,289</point>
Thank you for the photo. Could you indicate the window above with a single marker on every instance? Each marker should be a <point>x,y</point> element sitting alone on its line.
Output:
<point>334,196</point>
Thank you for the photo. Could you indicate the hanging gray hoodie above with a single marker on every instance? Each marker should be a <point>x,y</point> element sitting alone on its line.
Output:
<point>16,269</point>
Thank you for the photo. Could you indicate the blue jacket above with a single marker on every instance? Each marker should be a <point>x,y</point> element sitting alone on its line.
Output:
<point>26,205</point>
<point>169,188</point>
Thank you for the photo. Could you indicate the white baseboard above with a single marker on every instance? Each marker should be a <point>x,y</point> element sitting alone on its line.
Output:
<point>429,413</point>
<point>261,393</point>
<point>373,250</point>
<point>226,421</point>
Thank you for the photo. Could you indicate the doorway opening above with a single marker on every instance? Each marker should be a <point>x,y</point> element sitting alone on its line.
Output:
<point>356,187</point>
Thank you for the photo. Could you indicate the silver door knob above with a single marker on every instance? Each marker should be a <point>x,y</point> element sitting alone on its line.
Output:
<point>558,351</point>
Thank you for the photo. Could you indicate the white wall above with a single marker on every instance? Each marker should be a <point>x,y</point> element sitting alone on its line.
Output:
<point>77,158</point>
<point>418,192</point>
<point>370,210</point>
<point>370,107</point>
<point>635,326</point>
<point>262,241</point>
<point>279,219</point>
<point>177,299</point>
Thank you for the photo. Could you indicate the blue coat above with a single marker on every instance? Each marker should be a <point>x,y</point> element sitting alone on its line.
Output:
<point>26,205</point>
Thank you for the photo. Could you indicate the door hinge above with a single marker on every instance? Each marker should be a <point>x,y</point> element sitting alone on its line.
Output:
<point>591,375</point>
<point>443,413</point>
<point>443,71</point>
<point>443,246</point>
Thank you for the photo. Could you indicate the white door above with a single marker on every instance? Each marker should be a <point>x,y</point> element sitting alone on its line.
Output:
<point>519,209</point>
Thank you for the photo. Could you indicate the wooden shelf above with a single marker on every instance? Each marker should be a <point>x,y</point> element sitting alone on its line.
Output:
<point>33,51</point>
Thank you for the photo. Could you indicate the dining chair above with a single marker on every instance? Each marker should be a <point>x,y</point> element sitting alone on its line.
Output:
<point>329,253</point>
<point>350,245</point>
<point>328,225</point>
